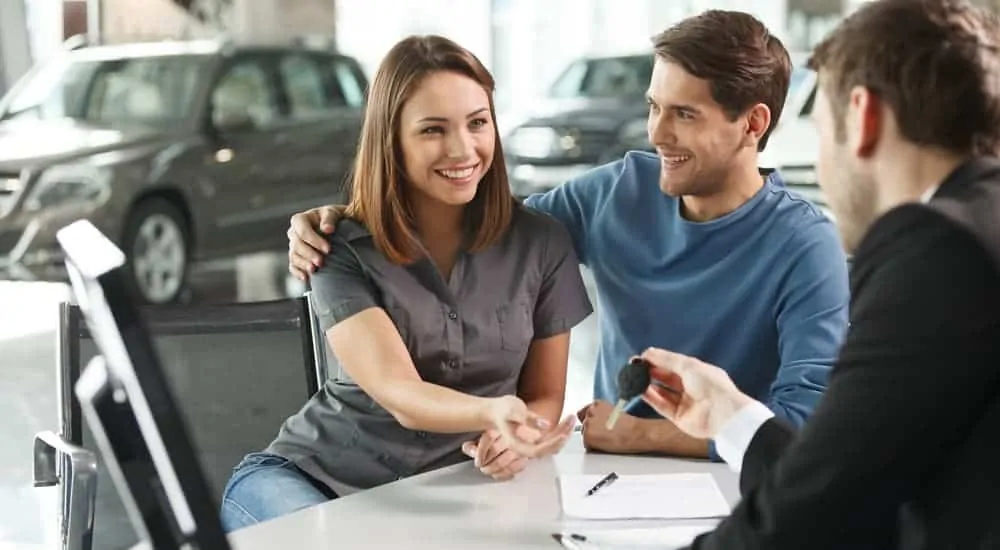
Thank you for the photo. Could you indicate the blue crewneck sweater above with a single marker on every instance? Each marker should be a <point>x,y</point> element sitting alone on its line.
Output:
<point>761,292</point>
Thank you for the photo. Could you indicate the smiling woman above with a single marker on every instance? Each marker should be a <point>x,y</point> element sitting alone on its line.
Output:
<point>447,305</point>
<point>438,109</point>
<point>447,140</point>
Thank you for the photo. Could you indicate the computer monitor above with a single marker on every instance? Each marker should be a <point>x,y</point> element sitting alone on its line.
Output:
<point>127,401</point>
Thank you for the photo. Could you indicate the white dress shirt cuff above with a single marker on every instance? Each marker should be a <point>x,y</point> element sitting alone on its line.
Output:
<point>736,434</point>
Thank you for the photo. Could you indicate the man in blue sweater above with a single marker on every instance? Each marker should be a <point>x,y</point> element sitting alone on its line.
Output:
<point>693,249</point>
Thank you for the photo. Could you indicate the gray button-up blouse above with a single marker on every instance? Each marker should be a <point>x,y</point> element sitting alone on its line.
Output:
<point>470,333</point>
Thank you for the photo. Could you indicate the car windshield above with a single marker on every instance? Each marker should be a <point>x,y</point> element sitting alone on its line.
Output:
<point>154,91</point>
<point>605,77</point>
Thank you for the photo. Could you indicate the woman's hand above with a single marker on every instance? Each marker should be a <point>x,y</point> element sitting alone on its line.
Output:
<point>494,457</point>
<point>508,413</point>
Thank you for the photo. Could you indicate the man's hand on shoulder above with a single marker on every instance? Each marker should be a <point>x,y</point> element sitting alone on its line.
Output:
<point>306,246</point>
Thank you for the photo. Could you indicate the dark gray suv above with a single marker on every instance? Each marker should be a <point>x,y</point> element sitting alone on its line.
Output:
<point>181,151</point>
<point>594,113</point>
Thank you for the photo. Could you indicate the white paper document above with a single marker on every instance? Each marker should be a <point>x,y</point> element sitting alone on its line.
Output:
<point>656,496</point>
<point>670,537</point>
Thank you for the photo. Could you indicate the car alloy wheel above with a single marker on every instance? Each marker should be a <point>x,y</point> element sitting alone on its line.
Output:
<point>159,258</point>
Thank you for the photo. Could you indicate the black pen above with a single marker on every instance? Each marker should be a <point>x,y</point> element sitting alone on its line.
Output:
<point>608,480</point>
<point>570,541</point>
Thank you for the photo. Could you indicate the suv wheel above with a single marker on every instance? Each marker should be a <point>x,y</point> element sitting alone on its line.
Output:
<point>156,242</point>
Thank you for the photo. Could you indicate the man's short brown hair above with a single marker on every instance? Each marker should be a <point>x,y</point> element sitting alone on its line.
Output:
<point>379,187</point>
<point>742,61</point>
<point>935,63</point>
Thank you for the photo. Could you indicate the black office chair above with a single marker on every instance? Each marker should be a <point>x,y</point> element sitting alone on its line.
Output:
<point>238,370</point>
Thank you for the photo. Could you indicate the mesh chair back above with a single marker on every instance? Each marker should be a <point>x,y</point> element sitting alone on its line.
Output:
<point>237,370</point>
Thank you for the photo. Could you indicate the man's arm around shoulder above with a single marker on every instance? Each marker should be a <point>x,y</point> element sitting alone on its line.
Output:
<point>576,202</point>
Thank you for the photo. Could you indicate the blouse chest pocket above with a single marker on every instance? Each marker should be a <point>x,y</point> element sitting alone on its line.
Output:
<point>516,327</point>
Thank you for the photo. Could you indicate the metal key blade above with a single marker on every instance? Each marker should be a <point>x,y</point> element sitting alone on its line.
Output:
<point>613,418</point>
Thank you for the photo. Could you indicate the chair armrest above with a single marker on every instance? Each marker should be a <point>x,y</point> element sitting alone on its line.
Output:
<point>322,367</point>
<point>47,445</point>
<point>78,474</point>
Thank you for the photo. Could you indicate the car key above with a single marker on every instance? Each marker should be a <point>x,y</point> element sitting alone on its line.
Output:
<point>633,379</point>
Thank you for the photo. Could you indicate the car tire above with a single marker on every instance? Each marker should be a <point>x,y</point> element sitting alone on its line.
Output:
<point>157,244</point>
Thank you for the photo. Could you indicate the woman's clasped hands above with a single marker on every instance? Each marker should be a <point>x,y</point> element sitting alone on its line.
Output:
<point>517,435</point>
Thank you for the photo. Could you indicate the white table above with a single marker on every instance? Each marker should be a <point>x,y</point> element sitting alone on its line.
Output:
<point>459,508</point>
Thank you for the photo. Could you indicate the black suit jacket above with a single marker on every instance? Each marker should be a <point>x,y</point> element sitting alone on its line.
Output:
<point>904,449</point>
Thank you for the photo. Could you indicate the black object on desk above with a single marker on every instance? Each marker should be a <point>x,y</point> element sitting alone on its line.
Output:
<point>633,379</point>
<point>571,541</point>
<point>604,482</point>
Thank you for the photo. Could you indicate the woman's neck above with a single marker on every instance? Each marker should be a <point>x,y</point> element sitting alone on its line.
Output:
<point>441,230</point>
<point>435,220</point>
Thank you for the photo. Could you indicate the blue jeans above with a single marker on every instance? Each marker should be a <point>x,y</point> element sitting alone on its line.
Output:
<point>265,486</point>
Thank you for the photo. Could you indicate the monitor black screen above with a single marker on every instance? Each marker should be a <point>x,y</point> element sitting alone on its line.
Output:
<point>127,400</point>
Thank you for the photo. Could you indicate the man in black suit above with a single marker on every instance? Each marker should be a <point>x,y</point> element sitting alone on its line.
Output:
<point>904,449</point>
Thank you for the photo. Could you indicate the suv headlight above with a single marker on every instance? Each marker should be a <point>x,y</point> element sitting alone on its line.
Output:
<point>62,185</point>
<point>9,185</point>
<point>534,142</point>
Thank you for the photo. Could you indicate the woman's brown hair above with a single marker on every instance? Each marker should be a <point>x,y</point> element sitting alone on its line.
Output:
<point>378,194</point>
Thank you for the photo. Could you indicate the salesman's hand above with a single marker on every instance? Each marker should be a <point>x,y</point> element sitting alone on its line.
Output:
<point>707,397</point>
<point>306,247</point>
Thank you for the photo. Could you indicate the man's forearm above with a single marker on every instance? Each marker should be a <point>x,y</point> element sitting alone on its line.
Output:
<point>663,437</point>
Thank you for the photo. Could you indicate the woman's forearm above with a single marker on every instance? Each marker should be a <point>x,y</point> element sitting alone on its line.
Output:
<point>370,349</point>
<point>423,406</point>
<point>542,385</point>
